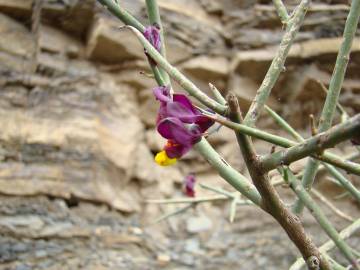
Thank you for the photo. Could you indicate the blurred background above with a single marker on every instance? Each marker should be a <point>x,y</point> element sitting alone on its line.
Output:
<point>78,136</point>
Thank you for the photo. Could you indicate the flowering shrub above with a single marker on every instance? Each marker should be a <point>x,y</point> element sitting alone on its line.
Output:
<point>180,123</point>
<point>183,126</point>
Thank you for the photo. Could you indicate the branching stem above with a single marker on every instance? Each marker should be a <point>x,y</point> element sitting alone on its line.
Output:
<point>336,81</point>
<point>318,214</point>
<point>277,64</point>
<point>271,201</point>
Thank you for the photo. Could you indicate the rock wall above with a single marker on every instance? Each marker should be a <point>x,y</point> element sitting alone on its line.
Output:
<point>78,129</point>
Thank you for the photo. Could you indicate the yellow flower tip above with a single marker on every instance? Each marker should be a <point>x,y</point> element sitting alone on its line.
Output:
<point>162,159</point>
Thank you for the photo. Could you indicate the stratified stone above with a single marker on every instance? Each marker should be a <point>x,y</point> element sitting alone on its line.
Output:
<point>79,142</point>
<point>55,41</point>
<point>205,67</point>
<point>17,45</point>
<point>107,43</point>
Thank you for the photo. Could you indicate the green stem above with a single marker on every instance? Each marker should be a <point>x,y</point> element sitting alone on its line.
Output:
<point>277,64</point>
<point>318,214</point>
<point>188,200</point>
<point>313,145</point>
<point>217,95</point>
<point>230,195</point>
<point>330,205</point>
<point>282,123</point>
<point>173,213</point>
<point>345,233</point>
<point>333,171</point>
<point>238,181</point>
<point>157,75</point>
<point>219,191</point>
<point>335,265</point>
<point>122,14</point>
<point>128,19</point>
<point>347,165</point>
<point>344,182</point>
<point>336,81</point>
<point>154,18</point>
<point>271,201</point>
<point>327,157</point>
<point>251,131</point>
<point>339,107</point>
<point>174,73</point>
<point>281,10</point>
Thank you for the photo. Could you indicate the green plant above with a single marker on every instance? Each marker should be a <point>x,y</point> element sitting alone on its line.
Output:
<point>260,191</point>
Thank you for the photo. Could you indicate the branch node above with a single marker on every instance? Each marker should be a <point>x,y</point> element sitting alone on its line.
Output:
<point>313,263</point>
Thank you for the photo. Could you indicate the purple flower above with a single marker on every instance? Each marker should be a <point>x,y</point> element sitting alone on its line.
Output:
<point>355,140</point>
<point>189,185</point>
<point>152,34</point>
<point>179,122</point>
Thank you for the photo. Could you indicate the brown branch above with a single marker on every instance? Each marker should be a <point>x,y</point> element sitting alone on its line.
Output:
<point>271,201</point>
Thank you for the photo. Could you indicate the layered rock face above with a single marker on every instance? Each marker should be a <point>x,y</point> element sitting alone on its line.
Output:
<point>78,136</point>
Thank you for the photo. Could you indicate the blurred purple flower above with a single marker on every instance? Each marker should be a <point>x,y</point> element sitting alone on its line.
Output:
<point>152,34</point>
<point>189,185</point>
<point>355,141</point>
<point>179,122</point>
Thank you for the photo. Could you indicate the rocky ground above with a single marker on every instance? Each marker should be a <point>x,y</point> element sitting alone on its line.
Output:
<point>78,133</point>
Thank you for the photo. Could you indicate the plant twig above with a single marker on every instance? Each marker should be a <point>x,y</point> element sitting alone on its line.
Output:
<point>339,107</point>
<point>282,123</point>
<point>217,95</point>
<point>230,195</point>
<point>341,180</point>
<point>331,205</point>
<point>345,233</point>
<point>174,73</point>
<point>314,130</point>
<point>233,207</point>
<point>173,213</point>
<point>344,181</point>
<point>270,199</point>
<point>318,214</point>
<point>154,18</point>
<point>314,145</point>
<point>130,20</point>
<point>281,10</point>
<point>251,131</point>
<point>330,158</point>
<point>218,190</point>
<point>234,178</point>
<point>122,14</point>
<point>335,265</point>
<point>188,200</point>
<point>277,64</point>
<point>332,97</point>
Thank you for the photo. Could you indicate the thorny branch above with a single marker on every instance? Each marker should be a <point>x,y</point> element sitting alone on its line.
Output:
<point>262,193</point>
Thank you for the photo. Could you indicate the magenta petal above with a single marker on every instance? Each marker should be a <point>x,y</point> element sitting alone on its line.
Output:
<point>176,150</point>
<point>355,141</point>
<point>177,110</point>
<point>152,34</point>
<point>162,93</point>
<point>204,122</point>
<point>162,113</point>
<point>185,101</point>
<point>164,127</point>
<point>173,129</point>
<point>189,184</point>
